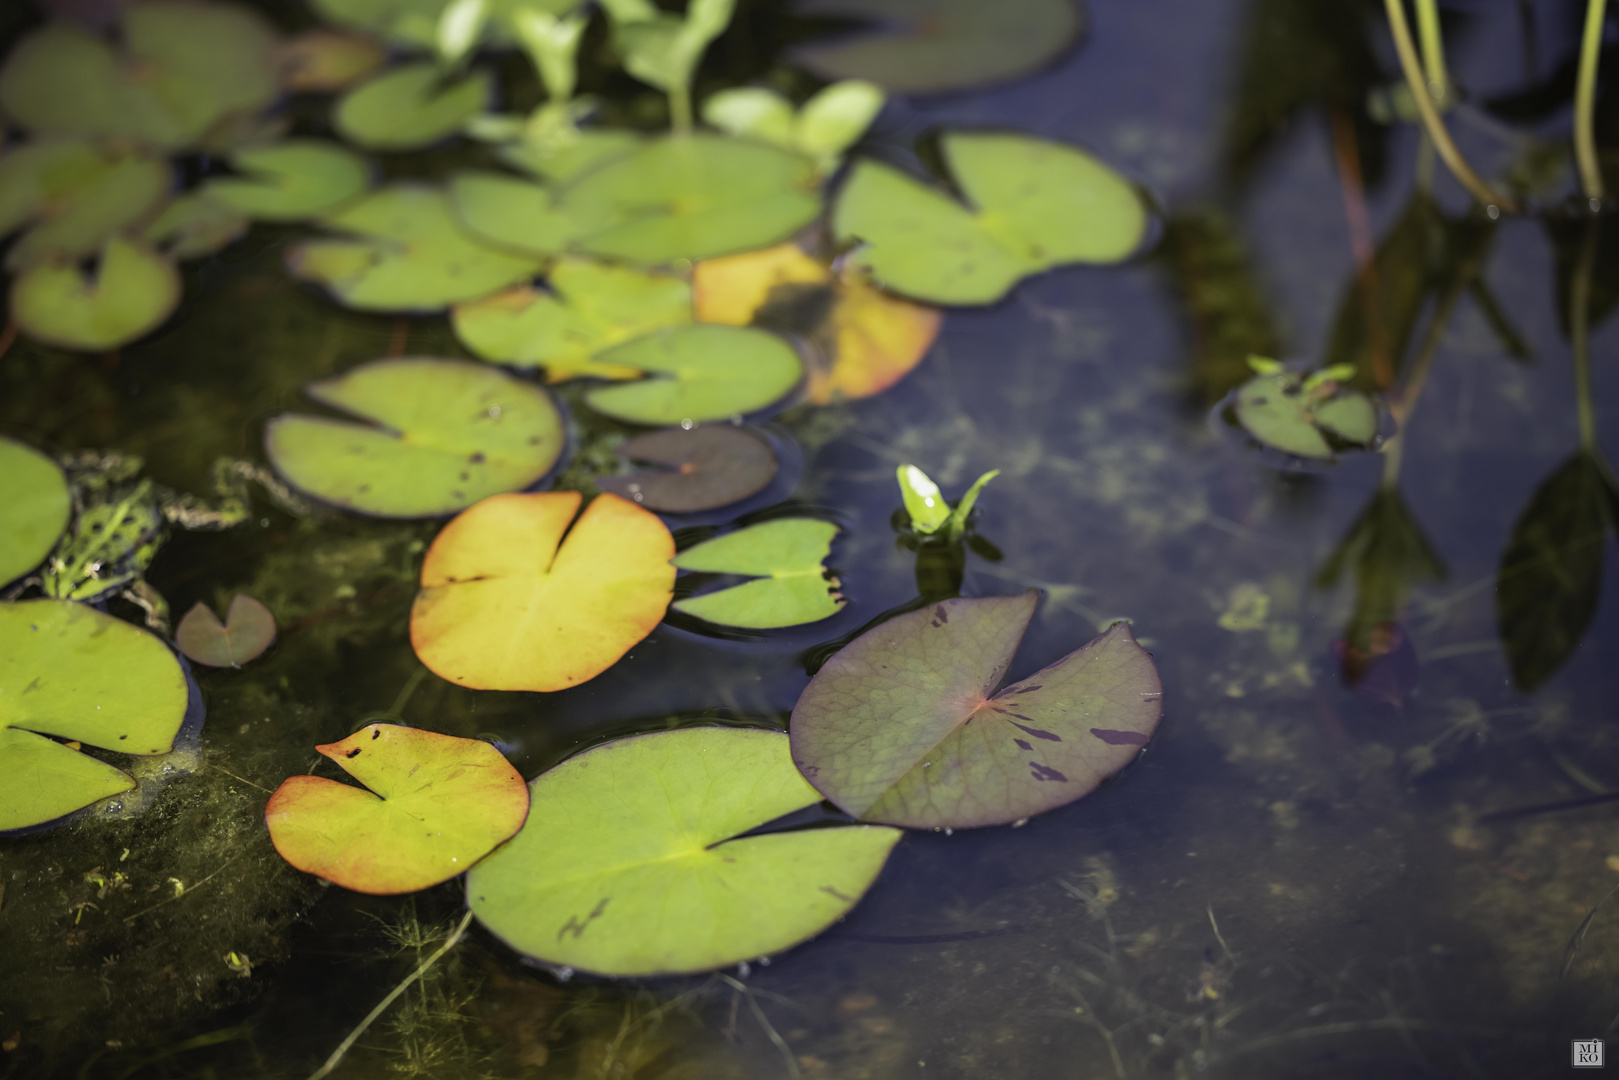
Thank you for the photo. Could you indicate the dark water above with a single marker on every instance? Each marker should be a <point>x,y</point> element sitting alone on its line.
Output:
<point>1294,881</point>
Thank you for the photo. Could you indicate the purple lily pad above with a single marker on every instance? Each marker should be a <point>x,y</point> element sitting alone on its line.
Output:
<point>702,468</point>
<point>904,725</point>
<point>247,631</point>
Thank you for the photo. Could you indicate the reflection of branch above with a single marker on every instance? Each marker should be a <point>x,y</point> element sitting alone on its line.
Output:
<point>1431,120</point>
<point>1579,336</point>
<point>1585,93</point>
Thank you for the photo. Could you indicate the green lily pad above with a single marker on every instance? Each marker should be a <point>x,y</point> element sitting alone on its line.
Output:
<point>75,196</point>
<point>1036,205</point>
<point>904,724</point>
<point>71,671</point>
<point>1289,412</point>
<point>692,197</point>
<point>702,468</point>
<point>133,291</point>
<point>183,68</point>
<point>700,373</point>
<point>291,180</point>
<point>508,212</point>
<point>447,433</point>
<point>410,107</point>
<point>787,558</point>
<point>408,255</point>
<point>926,46</point>
<point>35,494</point>
<point>636,862</point>
<point>416,22</point>
<point>591,307</point>
<point>441,803</point>
<point>322,61</point>
<point>194,226</point>
<point>562,163</point>
<point>247,631</point>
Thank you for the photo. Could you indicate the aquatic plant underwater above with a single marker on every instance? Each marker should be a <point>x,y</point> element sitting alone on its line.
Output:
<point>620,300</point>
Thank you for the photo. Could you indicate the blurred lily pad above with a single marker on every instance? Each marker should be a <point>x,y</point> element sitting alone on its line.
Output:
<point>194,226</point>
<point>410,107</point>
<point>697,373</point>
<point>508,604</point>
<point>702,468</point>
<point>416,22</point>
<point>639,862</point>
<point>923,46</point>
<point>322,61</point>
<point>436,805</point>
<point>181,68</point>
<point>290,180</point>
<point>1036,205</point>
<point>904,725</point>
<point>509,212</point>
<point>560,163</point>
<point>861,340</point>
<point>590,307</point>
<point>785,556</point>
<point>1294,413</point>
<point>131,293</point>
<point>442,435</point>
<point>247,631</point>
<point>74,196</point>
<point>35,494</point>
<point>70,671</point>
<point>407,254</point>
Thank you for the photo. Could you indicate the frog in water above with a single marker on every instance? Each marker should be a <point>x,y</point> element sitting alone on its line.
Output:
<point>120,521</point>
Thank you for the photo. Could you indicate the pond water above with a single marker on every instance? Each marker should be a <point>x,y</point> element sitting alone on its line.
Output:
<point>1298,878</point>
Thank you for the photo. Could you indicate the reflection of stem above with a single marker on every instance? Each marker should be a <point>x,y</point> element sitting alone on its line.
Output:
<point>1585,147</point>
<point>1579,319</point>
<point>1412,67</point>
<point>1404,403</point>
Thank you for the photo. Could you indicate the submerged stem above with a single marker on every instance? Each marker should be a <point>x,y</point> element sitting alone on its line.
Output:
<point>1431,120</point>
<point>1579,336</point>
<point>1585,93</point>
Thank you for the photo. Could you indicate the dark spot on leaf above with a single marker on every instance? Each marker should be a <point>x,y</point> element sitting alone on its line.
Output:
<point>830,891</point>
<point>478,459</point>
<point>122,737</point>
<point>578,928</point>
<point>940,614</point>
<point>1036,732</point>
<point>376,733</point>
<point>1022,743</point>
<point>1119,738</point>
<point>353,753</point>
<point>1041,772</point>
<point>466,476</point>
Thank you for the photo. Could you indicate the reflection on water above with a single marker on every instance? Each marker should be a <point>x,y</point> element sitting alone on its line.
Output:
<point>1361,662</point>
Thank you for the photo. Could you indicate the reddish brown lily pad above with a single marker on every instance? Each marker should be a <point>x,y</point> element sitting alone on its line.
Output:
<point>701,468</point>
<point>247,631</point>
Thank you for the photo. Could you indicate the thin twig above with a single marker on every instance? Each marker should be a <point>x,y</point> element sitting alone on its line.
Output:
<point>144,911</point>
<point>1585,96</point>
<point>1229,955</point>
<point>770,1030</point>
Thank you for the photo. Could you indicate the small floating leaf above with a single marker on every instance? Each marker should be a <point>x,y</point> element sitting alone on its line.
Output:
<point>194,226</point>
<point>904,725</point>
<point>703,468</point>
<point>591,307</point>
<point>410,107</point>
<point>75,196</point>
<point>448,433</point>
<point>927,46</point>
<point>508,604</point>
<point>1038,205</point>
<point>71,671</point>
<point>699,373</point>
<point>34,492</point>
<point>787,557</point>
<point>439,805</point>
<point>1285,410</point>
<point>828,124</point>
<point>640,864</point>
<point>408,255</point>
<point>862,341</point>
<point>247,631</point>
<point>505,211</point>
<point>290,180</point>
<point>134,290</point>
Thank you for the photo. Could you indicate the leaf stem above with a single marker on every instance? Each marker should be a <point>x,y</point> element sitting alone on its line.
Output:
<point>680,115</point>
<point>1431,120</point>
<point>1433,50</point>
<point>1585,147</point>
<point>1579,336</point>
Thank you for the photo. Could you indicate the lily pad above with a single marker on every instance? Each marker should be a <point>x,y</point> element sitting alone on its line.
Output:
<point>508,604</point>
<point>785,556</point>
<point>508,212</point>
<point>133,291</point>
<point>408,254</point>
<point>590,307</point>
<point>926,46</point>
<point>1290,412</point>
<point>702,468</point>
<point>75,197</point>
<point>194,226</point>
<point>561,163</point>
<point>416,22</point>
<point>247,631</point>
<point>35,494</point>
<point>291,180</point>
<point>446,433</point>
<point>437,805</point>
<point>692,197</point>
<point>639,863</point>
<point>904,725</point>
<point>410,107</point>
<point>183,68</point>
<point>699,373</point>
<point>1035,205</point>
<point>71,671</point>
<point>862,341</point>
<point>323,61</point>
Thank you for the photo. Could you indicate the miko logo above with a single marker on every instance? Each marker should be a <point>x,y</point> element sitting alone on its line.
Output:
<point>1588,1053</point>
